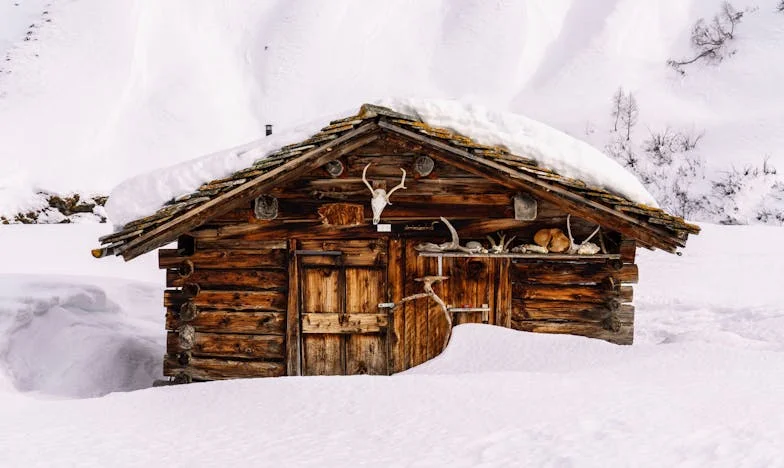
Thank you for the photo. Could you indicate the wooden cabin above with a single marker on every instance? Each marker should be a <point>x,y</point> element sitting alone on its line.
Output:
<point>280,269</point>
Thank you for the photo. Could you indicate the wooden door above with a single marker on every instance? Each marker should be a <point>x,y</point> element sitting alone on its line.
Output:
<point>478,290</point>
<point>343,331</point>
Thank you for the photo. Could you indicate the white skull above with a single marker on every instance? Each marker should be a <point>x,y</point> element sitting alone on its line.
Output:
<point>380,197</point>
<point>378,202</point>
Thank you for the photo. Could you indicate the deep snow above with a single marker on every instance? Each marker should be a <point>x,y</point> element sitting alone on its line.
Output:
<point>123,87</point>
<point>701,386</point>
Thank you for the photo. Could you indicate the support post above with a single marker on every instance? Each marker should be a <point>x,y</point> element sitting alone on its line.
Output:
<point>293,361</point>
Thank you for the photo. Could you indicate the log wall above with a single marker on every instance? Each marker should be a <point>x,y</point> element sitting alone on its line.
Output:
<point>225,309</point>
<point>235,299</point>
<point>590,299</point>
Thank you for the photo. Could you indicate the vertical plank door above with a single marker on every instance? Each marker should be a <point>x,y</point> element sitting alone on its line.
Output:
<point>343,331</point>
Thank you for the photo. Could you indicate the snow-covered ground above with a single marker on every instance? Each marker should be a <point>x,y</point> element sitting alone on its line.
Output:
<point>703,385</point>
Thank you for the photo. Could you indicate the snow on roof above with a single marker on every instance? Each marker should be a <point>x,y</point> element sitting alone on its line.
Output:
<point>552,149</point>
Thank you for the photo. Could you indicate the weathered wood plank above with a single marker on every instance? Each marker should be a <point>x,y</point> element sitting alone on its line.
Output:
<point>222,321</point>
<point>395,282</point>
<point>352,188</point>
<point>223,259</point>
<point>321,354</point>
<point>624,336</point>
<point>503,289</point>
<point>344,323</point>
<point>416,319</point>
<point>470,285</point>
<point>363,252</point>
<point>240,244</point>
<point>274,301</point>
<point>593,294</point>
<point>366,354</point>
<point>232,279</point>
<point>220,369</point>
<point>628,250</point>
<point>293,351</point>
<point>571,311</point>
<point>229,345</point>
<point>566,273</point>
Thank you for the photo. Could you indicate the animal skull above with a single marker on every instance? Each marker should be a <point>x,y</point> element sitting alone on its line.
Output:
<point>502,245</point>
<point>380,197</point>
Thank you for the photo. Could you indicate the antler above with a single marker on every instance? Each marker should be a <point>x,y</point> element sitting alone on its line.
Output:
<point>429,292</point>
<point>364,179</point>
<point>399,186</point>
<point>573,247</point>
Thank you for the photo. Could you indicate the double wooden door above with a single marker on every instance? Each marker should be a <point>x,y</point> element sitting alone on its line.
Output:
<point>344,286</point>
<point>343,329</point>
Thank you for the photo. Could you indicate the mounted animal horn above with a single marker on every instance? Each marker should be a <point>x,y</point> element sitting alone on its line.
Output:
<point>380,197</point>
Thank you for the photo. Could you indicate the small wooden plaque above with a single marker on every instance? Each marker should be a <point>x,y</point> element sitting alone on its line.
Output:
<point>342,214</point>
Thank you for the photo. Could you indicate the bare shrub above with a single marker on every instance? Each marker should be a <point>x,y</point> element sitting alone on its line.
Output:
<point>710,40</point>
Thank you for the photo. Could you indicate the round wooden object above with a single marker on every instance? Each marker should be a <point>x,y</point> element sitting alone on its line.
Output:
<point>424,165</point>
<point>185,269</point>
<point>334,168</point>
<point>613,304</point>
<point>184,358</point>
<point>191,289</point>
<point>187,336</point>
<point>188,311</point>
<point>266,207</point>
<point>612,323</point>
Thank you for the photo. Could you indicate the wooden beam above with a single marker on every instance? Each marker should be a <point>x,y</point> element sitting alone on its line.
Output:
<point>273,301</point>
<point>290,170</point>
<point>624,336</point>
<point>503,299</point>
<point>223,321</point>
<point>219,369</point>
<point>234,279</point>
<point>229,345</point>
<point>568,200</point>
<point>395,281</point>
<point>293,361</point>
<point>317,322</point>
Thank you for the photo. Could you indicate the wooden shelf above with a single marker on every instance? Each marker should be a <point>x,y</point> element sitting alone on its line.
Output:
<point>597,257</point>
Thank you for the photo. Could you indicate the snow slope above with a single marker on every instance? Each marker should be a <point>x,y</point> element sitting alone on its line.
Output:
<point>702,386</point>
<point>112,89</point>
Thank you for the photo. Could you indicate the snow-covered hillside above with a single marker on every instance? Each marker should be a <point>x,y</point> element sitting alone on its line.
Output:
<point>703,385</point>
<point>106,90</point>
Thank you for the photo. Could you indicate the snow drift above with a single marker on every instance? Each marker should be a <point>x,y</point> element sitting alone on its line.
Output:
<point>702,386</point>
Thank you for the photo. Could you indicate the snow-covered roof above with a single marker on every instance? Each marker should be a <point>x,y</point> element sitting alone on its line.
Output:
<point>551,149</point>
<point>503,141</point>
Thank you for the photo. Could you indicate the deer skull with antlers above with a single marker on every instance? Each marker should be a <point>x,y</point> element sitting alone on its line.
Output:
<point>380,197</point>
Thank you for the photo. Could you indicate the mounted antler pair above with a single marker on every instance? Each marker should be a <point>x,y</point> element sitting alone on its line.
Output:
<point>554,240</point>
<point>380,197</point>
